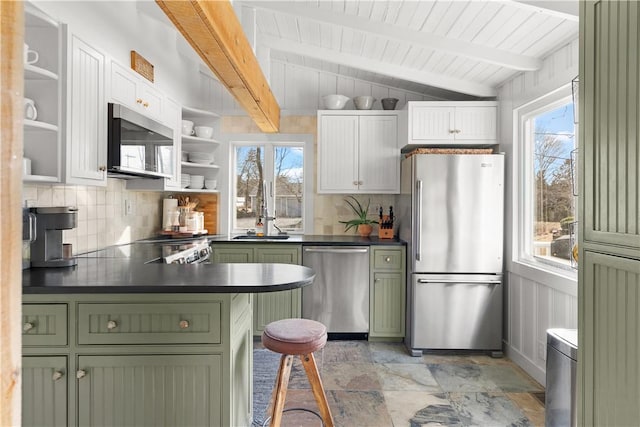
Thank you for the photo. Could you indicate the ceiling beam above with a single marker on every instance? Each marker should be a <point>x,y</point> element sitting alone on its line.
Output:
<point>214,32</point>
<point>405,35</point>
<point>372,65</point>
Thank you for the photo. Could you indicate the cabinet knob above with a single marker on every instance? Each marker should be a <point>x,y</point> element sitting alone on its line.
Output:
<point>387,259</point>
<point>458,131</point>
<point>145,104</point>
<point>138,100</point>
<point>56,375</point>
<point>28,326</point>
<point>111,324</point>
<point>102,168</point>
<point>355,182</point>
<point>184,324</point>
<point>452,131</point>
<point>81,374</point>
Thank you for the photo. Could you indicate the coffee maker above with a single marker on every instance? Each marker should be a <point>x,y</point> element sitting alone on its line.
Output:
<point>46,249</point>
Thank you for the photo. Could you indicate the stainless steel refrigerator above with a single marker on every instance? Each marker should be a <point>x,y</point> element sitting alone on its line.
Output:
<point>451,215</point>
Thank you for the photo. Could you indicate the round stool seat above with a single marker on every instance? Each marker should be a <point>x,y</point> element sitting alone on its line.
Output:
<point>294,336</point>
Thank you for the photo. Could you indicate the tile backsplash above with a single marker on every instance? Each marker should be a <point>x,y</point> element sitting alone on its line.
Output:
<point>101,212</point>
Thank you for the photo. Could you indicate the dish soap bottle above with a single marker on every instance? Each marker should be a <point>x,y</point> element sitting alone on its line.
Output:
<point>259,227</point>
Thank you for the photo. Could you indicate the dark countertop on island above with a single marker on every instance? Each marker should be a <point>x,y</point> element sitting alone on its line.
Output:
<point>129,275</point>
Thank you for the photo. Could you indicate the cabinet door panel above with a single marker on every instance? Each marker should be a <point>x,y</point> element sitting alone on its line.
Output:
<point>151,101</point>
<point>87,140</point>
<point>475,123</point>
<point>150,390</point>
<point>338,151</point>
<point>232,254</point>
<point>379,165</point>
<point>123,86</point>
<point>388,306</point>
<point>432,123</point>
<point>44,391</point>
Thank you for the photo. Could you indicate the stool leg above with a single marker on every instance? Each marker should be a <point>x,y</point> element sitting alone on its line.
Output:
<point>280,390</point>
<point>309,363</point>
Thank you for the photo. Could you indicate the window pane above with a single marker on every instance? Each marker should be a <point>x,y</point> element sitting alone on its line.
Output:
<point>249,176</point>
<point>553,200</point>
<point>289,178</point>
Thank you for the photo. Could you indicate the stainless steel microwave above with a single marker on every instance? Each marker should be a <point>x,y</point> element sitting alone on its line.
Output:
<point>138,145</point>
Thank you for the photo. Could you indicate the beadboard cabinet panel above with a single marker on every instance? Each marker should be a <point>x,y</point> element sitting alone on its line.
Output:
<point>609,242</point>
<point>86,139</point>
<point>387,299</point>
<point>150,390</point>
<point>338,154</point>
<point>44,391</point>
<point>379,165</point>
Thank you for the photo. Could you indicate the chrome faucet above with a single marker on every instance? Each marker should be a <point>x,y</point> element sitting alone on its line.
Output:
<point>265,210</point>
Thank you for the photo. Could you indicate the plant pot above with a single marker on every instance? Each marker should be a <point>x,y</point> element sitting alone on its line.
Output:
<point>365,230</point>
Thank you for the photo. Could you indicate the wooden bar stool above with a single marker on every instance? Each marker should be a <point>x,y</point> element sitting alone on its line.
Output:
<point>301,337</point>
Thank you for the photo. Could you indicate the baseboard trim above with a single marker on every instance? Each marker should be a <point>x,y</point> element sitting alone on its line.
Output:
<point>527,365</point>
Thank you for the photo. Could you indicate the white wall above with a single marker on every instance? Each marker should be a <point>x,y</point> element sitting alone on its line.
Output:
<point>535,300</point>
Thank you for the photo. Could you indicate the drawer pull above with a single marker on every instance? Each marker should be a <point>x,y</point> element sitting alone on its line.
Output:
<point>111,324</point>
<point>184,324</point>
<point>28,326</point>
<point>387,259</point>
<point>81,374</point>
<point>57,375</point>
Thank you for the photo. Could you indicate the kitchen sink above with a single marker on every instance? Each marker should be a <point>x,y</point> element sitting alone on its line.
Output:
<point>254,237</point>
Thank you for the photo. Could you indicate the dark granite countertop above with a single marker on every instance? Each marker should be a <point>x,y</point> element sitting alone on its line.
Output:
<point>306,239</point>
<point>129,275</point>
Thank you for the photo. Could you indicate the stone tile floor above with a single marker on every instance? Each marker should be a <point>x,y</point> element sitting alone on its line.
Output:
<point>379,384</point>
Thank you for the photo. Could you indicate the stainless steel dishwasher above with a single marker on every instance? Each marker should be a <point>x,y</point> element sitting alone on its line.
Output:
<point>339,296</point>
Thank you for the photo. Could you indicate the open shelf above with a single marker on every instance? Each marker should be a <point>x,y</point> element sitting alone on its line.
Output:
<point>36,125</point>
<point>198,140</point>
<point>199,165</point>
<point>195,190</point>
<point>40,178</point>
<point>31,72</point>
<point>196,113</point>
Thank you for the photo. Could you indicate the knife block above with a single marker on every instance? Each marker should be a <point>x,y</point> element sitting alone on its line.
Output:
<point>387,231</point>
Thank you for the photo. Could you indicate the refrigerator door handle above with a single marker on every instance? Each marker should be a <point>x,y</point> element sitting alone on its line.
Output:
<point>418,237</point>
<point>470,282</point>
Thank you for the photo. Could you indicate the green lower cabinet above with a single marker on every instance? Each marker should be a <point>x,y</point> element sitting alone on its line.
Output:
<point>271,306</point>
<point>388,292</point>
<point>44,391</point>
<point>150,390</point>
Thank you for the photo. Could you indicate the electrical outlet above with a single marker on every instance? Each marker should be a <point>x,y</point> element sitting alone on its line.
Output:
<point>128,207</point>
<point>542,354</point>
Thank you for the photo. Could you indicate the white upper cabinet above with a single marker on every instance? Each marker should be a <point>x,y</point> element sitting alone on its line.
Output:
<point>358,152</point>
<point>65,138</point>
<point>453,122</point>
<point>86,124</point>
<point>129,89</point>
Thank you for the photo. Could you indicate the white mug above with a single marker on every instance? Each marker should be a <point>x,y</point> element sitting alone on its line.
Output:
<point>30,111</point>
<point>30,56</point>
<point>187,127</point>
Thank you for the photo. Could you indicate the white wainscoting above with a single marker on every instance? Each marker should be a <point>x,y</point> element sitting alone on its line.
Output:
<point>535,301</point>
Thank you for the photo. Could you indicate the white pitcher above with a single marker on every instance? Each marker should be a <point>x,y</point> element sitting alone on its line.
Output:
<point>30,111</point>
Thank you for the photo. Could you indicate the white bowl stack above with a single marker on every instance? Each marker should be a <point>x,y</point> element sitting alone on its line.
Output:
<point>197,182</point>
<point>201,158</point>
<point>211,184</point>
<point>185,180</point>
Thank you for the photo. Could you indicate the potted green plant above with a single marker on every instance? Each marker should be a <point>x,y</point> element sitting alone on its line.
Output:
<point>362,224</point>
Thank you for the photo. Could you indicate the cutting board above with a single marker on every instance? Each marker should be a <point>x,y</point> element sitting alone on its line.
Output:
<point>209,205</point>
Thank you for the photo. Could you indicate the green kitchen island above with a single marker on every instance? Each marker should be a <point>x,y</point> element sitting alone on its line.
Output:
<point>112,341</point>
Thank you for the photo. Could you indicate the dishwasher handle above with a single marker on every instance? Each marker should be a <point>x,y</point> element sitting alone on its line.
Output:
<point>469,282</point>
<point>338,251</point>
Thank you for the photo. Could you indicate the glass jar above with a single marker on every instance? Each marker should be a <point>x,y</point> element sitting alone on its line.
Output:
<point>184,211</point>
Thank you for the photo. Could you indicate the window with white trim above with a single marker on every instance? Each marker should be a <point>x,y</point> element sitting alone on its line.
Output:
<point>281,165</point>
<point>546,207</point>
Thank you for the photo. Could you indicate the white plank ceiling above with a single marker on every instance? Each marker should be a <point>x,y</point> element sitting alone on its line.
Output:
<point>429,47</point>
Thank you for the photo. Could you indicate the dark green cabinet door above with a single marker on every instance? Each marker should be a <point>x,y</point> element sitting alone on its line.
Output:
<point>149,390</point>
<point>272,306</point>
<point>44,391</point>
